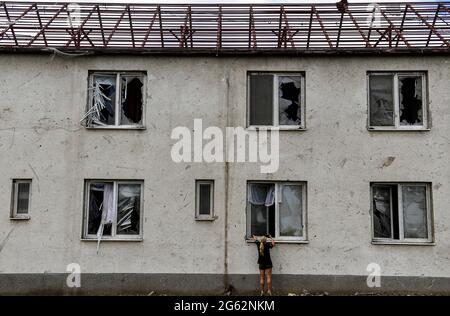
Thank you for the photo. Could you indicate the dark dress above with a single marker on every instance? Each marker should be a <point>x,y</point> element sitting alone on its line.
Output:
<point>264,261</point>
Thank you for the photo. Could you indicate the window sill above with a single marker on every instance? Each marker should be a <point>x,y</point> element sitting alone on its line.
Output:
<point>249,241</point>
<point>22,218</point>
<point>123,127</point>
<point>209,219</point>
<point>404,243</point>
<point>278,128</point>
<point>113,239</point>
<point>377,129</point>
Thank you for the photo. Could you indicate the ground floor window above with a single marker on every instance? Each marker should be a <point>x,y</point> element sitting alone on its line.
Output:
<point>278,209</point>
<point>21,197</point>
<point>401,212</point>
<point>204,199</point>
<point>113,210</point>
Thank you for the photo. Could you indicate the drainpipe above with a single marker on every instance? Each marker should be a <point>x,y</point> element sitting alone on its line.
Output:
<point>226,187</point>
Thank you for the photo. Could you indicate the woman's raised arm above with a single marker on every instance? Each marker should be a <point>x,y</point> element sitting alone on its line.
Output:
<point>272,240</point>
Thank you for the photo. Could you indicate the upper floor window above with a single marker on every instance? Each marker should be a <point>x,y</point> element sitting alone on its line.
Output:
<point>116,99</point>
<point>401,212</point>
<point>277,209</point>
<point>276,99</point>
<point>21,198</point>
<point>397,100</point>
<point>113,210</point>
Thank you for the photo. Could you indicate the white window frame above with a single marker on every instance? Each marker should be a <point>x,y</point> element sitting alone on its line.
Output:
<point>278,186</point>
<point>204,217</point>
<point>402,239</point>
<point>117,105</point>
<point>114,236</point>
<point>275,101</point>
<point>15,200</point>
<point>396,95</point>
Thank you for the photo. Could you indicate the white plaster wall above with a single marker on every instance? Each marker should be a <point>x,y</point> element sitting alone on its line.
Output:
<point>42,101</point>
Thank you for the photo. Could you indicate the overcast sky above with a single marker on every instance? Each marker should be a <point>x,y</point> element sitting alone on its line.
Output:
<point>231,1</point>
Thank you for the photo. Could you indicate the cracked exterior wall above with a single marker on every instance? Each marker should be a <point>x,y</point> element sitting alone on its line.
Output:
<point>42,101</point>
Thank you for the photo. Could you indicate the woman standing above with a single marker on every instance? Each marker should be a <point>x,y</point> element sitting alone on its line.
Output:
<point>265,263</point>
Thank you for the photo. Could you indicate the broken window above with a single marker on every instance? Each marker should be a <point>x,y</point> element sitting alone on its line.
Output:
<point>204,190</point>
<point>113,210</point>
<point>411,106</point>
<point>21,197</point>
<point>115,99</point>
<point>396,101</point>
<point>276,208</point>
<point>276,99</point>
<point>401,212</point>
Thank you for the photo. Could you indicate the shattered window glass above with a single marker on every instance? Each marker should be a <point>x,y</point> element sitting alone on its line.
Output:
<point>415,212</point>
<point>103,100</point>
<point>263,220</point>
<point>275,99</point>
<point>116,99</point>
<point>389,219</point>
<point>381,100</point>
<point>96,202</point>
<point>289,100</point>
<point>397,107</point>
<point>261,99</point>
<point>128,209</point>
<point>291,211</point>
<point>262,204</point>
<point>410,100</point>
<point>281,218</point>
<point>131,98</point>
<point>382,211</point>
<point>259,220</point>
<point>114,208</point>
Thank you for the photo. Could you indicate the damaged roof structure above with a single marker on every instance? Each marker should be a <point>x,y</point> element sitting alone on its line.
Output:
<point>225,28</point>
<point>127,150</point>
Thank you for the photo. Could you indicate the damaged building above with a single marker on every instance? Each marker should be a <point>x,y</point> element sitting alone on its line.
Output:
<point>89,96</point>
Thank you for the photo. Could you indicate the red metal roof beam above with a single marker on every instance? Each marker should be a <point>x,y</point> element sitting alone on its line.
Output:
<point>251,30</point>
<point>396,31</point>
<point>11,24</point>
<point>147,34</point>
<point>219,29</point>
<point>116,26</point>
<point>322,27</point>
<point>63,7</point>
<point>432,29</point>
<point>131,26</point>
<point>359,29</point>
<point>9,21</point>
<point>79,29</point>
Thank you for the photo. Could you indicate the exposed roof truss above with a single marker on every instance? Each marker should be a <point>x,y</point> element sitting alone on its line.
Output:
<point>225,28</point>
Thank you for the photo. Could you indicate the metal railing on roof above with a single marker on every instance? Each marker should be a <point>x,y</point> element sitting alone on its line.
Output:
<point>225,28</point>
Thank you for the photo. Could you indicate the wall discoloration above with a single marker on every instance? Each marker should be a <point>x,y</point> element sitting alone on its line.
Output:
<point>5,240</point>
<point>387,162</point>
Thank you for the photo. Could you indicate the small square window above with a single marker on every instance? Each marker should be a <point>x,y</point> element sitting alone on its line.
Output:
<point>116,99</point>
<point>397,101</point>
<point>277,209</point>
<point>401,212</point>
<point>21,198</point>
<point>113,210</point>
<point>204,205</point>
<point>276,99</point>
